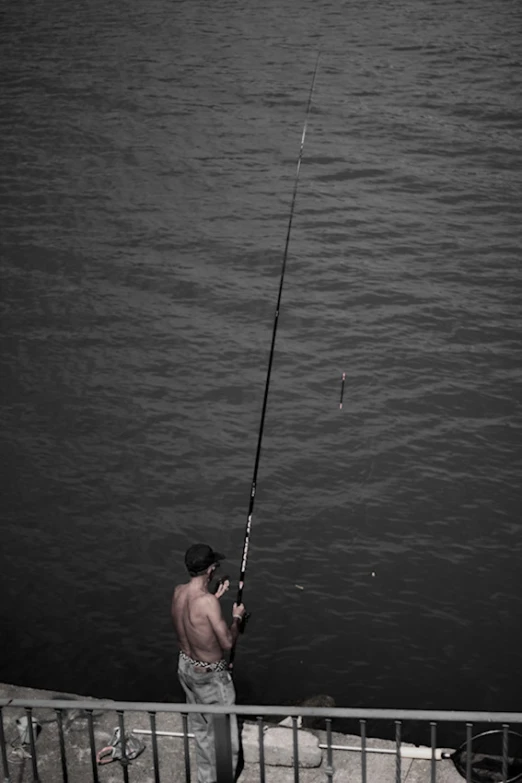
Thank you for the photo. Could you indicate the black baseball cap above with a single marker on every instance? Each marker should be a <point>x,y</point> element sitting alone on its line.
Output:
<point>199,557</point>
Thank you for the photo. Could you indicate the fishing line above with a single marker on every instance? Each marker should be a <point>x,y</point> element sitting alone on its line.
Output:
<point>270,361</point>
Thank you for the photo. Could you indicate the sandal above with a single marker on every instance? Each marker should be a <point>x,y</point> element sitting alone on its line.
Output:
<point>113,752</point>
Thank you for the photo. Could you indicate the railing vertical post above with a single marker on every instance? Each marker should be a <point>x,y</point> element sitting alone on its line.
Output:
<point>433,743</point>
<point>398,749</point>
<point>124,759</point>
<point>186,747</point>
<point>505,740</point>
<point>223,745</point>
<point>63,757</point>
<point>329,754</point>
<point>34,762</point>
<point>296,749</point>
<point>469,727</point>
<point>155,759</point>
<point>5,765</point>
<point>261,737</point>
<point>92,744</point>
<point>362,724</point>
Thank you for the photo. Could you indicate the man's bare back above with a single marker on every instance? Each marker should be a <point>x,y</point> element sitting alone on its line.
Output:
<point>201,630</point>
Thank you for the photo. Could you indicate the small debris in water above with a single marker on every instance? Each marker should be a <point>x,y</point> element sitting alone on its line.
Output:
<point>342,390</point>
<point>373,573</point>
<point>299,587</point>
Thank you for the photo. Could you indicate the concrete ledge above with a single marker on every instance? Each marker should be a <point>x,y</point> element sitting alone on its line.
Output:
<point>346,764</point>
<point>279,747</point>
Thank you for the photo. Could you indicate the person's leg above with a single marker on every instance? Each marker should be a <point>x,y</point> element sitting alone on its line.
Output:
<point>201,726</point>
<point>218,688</point>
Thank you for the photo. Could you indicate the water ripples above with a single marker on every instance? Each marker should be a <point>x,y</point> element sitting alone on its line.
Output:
<point>147,175</point>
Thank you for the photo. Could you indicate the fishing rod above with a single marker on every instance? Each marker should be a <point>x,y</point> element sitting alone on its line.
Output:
<point>269,371</point>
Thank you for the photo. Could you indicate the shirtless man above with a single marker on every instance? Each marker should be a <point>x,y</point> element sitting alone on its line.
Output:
<point>203,637</point>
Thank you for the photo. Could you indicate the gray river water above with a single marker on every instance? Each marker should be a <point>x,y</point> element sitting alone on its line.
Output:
<point>148,161</point>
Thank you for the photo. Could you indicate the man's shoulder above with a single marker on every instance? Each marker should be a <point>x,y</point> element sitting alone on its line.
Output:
<point>207,604</point>
<point>179,590</point>
<point>208,599</point>
<point>202,600</point>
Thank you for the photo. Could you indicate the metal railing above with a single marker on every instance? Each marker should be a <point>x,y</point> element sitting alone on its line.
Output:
<point>60,709</point>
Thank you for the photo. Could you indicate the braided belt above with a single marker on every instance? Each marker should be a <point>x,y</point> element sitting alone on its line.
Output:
<point>216,666</point>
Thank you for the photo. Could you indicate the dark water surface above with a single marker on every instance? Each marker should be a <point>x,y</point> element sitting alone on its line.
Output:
<point>147,169</point>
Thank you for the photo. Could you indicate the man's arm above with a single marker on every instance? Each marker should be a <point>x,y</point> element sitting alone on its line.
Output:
<point>226,636</point>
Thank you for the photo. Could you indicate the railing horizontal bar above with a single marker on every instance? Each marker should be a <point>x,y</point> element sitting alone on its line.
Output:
<point>267,709</point>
